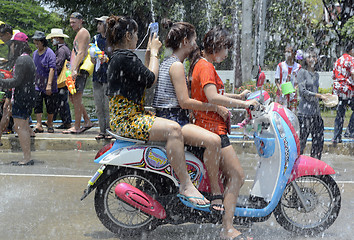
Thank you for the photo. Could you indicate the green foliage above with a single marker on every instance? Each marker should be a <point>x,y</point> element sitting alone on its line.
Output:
<point>28,16</point>
<point>251,85</point>
<point>348,29</point>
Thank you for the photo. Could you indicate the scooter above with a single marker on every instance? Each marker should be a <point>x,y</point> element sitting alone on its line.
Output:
<point>136,187</point>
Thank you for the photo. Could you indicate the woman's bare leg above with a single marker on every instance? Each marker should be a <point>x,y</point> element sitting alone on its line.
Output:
<point>6,113</point>
<point>170,131</point>
<point>199,137</point>
<point>234,177</point>
<point>23,130</point>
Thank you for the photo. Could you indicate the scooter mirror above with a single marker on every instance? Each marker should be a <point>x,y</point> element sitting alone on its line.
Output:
<point>256,69</point>
<point>261,79</point>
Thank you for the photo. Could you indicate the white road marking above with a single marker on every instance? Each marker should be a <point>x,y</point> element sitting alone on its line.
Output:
<point>89,176</point>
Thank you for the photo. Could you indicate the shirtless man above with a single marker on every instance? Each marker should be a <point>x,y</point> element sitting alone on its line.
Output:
<point>78,54</point>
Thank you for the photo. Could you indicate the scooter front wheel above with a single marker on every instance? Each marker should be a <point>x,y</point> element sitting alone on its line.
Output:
<point>118,216</point>
<point>323,201</point>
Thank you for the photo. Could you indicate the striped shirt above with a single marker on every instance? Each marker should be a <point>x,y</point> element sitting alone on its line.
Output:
<point>165,95</point>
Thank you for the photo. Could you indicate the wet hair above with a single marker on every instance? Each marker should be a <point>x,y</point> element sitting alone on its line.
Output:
<point>214,41</point>
<point>117,27</point>
<point>178,31</point>
<point>217,39</point>
<point>19,48</point>
<point>308,52</point>
<point>44,42</point>
<point>5,28</point>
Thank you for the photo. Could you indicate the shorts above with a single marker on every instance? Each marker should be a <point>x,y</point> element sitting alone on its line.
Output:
<point>178,115</point>
<point>80,81</point>
<point>51,102</point>
<point>225,141</point>
<point>21,112</point>
<point>129,119</point>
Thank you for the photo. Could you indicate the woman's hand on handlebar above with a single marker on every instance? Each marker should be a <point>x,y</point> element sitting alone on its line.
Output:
<point>244,94</point>
<point>254,103</point>
<point>223,112</point>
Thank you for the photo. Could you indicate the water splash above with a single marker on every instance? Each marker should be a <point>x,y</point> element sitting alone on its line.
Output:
<point>152,11</point>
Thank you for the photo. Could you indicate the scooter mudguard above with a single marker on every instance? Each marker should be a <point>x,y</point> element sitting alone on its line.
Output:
<point>305,166</point>
<point>140,200</point>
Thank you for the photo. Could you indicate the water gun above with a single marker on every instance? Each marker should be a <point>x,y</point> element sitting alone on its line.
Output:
<point>7,74</point>
<point>95,52</point>
<point>70,82</point>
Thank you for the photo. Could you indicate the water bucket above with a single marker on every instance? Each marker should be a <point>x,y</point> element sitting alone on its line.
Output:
<point>331,100</point>
<point>287,88</point>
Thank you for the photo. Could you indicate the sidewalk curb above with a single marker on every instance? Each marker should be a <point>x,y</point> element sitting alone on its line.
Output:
<point>87,142</point>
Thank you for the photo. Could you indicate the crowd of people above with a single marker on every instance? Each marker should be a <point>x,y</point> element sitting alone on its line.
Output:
<point>120,81</point>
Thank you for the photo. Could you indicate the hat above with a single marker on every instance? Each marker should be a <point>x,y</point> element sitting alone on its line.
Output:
<point>76,15</point>
<point>38,35</point>
<point>20,36</point>
<point>102,19</point>
<point>56,32</point>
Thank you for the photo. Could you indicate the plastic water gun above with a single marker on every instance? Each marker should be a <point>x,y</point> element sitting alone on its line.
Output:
<point>95,52</point>
<point>70,82</point>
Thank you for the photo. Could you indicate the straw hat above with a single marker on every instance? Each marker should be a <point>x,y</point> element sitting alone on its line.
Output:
<point>56,32</point>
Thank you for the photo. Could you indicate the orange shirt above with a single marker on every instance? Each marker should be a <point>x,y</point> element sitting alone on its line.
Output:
<point>204,73</point>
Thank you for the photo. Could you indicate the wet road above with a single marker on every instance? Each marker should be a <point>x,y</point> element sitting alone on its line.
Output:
<point>43,202</point>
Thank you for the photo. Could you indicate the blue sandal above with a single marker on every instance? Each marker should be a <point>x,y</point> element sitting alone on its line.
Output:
<point>186,201</point>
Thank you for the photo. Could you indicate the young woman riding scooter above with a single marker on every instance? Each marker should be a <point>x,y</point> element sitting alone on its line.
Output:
<point>207,86</point>
<point>172,101</point>
<point>127,80</point>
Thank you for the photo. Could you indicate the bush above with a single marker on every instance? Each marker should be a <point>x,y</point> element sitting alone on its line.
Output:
<point>251,85</point>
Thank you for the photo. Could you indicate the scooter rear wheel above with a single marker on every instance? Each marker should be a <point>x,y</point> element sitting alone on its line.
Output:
<point>118,216</point>
<point>323,199</point>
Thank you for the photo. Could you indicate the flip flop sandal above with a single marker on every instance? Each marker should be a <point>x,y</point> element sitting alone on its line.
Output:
<point>73,132</point>
<point>241,237</point>
<point>109,137</point>
<point>51,130</point>
<point>36,130</point>
<point>212,209</point>
<point>100,136</point>
<point>184,198</point>
<point>17,163</point>
<point>86,128</point>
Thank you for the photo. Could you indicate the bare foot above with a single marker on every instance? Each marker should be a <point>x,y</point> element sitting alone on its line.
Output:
<point>195,196</point>
<point>232,233</point>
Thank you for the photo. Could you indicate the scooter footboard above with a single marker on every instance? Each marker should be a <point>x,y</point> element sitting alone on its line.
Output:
<point>305,166</point>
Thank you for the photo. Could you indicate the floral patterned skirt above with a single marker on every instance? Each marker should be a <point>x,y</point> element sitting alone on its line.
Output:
<point>129,119</point>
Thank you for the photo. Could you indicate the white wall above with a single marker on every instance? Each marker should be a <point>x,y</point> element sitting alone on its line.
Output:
<point>325,77</point>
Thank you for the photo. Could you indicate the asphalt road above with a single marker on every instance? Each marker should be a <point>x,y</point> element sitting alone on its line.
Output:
<point>43,202</point>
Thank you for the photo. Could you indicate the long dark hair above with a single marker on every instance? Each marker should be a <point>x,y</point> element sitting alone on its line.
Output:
<point>117,27</point>
<point>178,31</point>
<point>19,48</point>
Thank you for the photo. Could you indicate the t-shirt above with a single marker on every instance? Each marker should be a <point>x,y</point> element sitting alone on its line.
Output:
<point>308,87</point>
<point>23,82</point>
<point>101,74</point>
<point>127,76</point>
<point>343,84</point>
<point>44,63</point>
<point>204,73</point>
